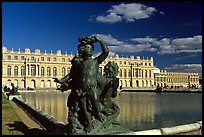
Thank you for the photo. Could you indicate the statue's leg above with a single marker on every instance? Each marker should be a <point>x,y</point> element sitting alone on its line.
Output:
<point>87,119</point>
<point>94,98</point>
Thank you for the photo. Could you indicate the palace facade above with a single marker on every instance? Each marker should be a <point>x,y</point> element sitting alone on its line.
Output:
<point>36,70</point>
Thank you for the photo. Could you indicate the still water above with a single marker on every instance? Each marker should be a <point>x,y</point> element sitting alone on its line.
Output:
<point>139,110</point>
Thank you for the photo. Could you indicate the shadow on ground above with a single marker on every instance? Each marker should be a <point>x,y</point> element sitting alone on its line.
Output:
<point>20,126</point>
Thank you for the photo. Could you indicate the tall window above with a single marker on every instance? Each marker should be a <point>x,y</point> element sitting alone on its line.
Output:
<point>42,71</point>
<point>22,71</point>
<point>48,58</point>
<point>54,59</point>
<point>63,71</point>
<point>120,73</point>
<point>42,58</point>
<point>125,73</point>
<point>150,74</point>
<point>48,71</point>
<point>146,73</point>
<point>54,71</point>
<point>32,70</point>
<point>15,71</point>
<point>129,73</point>
<point>9,71</point>
<point>32,58</point>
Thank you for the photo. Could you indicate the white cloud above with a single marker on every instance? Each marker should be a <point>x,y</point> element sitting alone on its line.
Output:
<point>162,46</point>
<point>109,39</point>
<point>192,68</point>
<point>128,12</point>
<point>111,18</point>
<point>111,54</point>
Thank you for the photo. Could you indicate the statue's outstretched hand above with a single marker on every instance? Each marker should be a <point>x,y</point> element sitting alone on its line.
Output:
<point>97,39</point>
<point>57,80</point>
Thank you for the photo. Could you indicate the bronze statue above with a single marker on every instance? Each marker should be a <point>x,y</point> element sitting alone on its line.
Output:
<point>90,98</point>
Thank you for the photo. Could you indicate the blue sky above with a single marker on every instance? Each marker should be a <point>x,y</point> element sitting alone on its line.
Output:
<point>170,32</point>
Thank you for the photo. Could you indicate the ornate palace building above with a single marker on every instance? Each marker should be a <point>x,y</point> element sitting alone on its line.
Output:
<point>177,79</point>
<point>36,70</point>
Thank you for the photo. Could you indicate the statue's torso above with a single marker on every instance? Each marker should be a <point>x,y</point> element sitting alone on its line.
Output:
<point>87,75</point>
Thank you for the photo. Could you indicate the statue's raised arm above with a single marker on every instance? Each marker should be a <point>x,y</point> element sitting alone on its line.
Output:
<point>105,51</point>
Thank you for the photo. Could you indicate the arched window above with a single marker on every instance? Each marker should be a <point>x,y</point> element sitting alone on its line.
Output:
<point>129,73</point>
<point>125,83</point>
<point>54,71</point>
<point>22,83</point>
<point>120,73</point>
<point>32,70</point>
<point>9,71</point>
<point>9,83</point>
<point>42,71</point>
<point>48,71</point>
<point>42,83</point>
<point>48,83</point>
<point>15,82</point>
<point>125,73</point>
<point>16,71</point>
<point>145,73</point>
<point>22,71</point>
<point>63,71</point>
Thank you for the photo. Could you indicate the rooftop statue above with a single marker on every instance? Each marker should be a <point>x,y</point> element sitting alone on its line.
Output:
<point>90,101</point>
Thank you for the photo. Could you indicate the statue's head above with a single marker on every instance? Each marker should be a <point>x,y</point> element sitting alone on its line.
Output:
<point>111,69</point>
<point>86,45</point>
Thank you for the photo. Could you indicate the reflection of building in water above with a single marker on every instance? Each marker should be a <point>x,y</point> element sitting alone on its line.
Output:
<point>135,109</point>
<point>36,70</point>
<point>51,103</point>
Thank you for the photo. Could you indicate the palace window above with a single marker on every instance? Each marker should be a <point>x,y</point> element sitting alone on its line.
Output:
<point>15,57</point>
<point>42,71</point>
<point>48,71</point>
<point>120,74</point>
<point>32,58</point>
<point>42,58</point>
<point>32,70</point>
<point>9,71</point>
<point>48,58</point>
<point>54,71</point>
<point>15,71</point>
<point>22,57</point>
<point>68,60</point>
<point>9,57</point>
<point>54,59</point>
<point>146,73</point>
<point>22,71</point>
<point>63,71</point>
<point>150,74</point>
<point>63,59</point>
<point>125,73</point>
<point>129,73</point>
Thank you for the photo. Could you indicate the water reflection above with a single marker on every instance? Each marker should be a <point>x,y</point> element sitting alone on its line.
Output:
<point>139,110</point>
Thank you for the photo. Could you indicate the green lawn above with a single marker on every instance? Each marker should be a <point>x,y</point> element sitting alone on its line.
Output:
<point>9,118</point>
